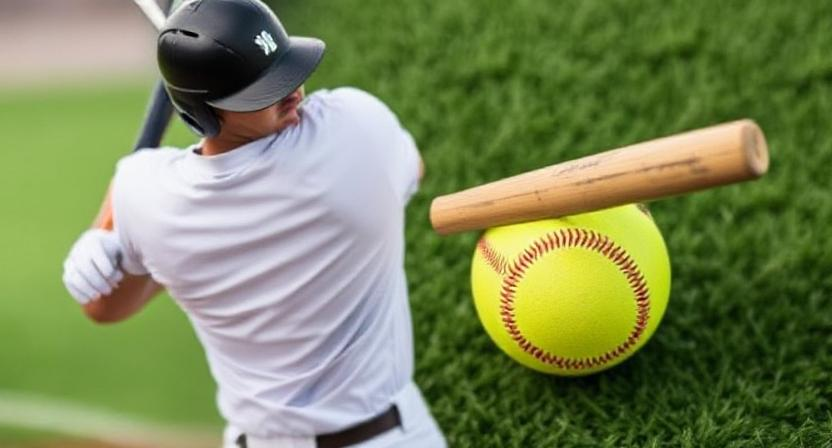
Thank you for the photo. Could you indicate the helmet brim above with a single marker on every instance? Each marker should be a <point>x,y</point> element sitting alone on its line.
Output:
<point>278,81</point>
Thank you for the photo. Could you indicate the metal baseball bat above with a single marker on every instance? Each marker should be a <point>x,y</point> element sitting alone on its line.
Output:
<point>159,108</point>
<point>655,169</point>
<point>154,12</point>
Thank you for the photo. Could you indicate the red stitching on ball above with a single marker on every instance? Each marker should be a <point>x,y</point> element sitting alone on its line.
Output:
<point>568,238</point>
<point>492,257</point>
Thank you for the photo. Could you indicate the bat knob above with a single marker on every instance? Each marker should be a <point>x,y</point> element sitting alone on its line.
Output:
<point>756,148</point>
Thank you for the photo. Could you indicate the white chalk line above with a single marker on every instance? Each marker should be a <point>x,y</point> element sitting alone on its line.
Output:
<point>34,412</point>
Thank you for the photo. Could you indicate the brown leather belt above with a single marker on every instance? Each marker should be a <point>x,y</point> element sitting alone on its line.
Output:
<point>354,434</point>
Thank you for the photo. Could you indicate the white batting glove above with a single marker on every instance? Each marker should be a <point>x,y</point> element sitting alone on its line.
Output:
<point>91,269</point>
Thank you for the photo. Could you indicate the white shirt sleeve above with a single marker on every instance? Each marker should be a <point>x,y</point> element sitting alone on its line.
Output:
<point>410,166</point>
<point>131,261</point>
<point>402,154</point>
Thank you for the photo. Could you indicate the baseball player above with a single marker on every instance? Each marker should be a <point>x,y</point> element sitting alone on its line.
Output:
<point>280,234</point>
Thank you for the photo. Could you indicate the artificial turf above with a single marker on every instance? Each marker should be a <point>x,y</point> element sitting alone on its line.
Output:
<point>489,89</point>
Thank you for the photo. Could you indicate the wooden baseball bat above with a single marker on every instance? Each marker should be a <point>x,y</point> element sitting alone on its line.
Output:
<point>669,166</point>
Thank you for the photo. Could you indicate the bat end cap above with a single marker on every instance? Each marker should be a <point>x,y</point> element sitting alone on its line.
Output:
<point>756,148</point>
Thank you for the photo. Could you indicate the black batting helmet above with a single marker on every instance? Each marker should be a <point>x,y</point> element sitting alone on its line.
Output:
<point>232,55</point>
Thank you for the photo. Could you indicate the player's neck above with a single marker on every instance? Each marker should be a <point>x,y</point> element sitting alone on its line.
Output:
<point>229,141</point>
<point>233,137</point>
<point>239,128</point>
<point>220,144</point>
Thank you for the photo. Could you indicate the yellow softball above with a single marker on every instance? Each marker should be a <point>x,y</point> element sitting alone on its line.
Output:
<point>576,295</point>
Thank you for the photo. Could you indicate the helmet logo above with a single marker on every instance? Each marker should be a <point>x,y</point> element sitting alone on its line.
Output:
<point>265,41</point>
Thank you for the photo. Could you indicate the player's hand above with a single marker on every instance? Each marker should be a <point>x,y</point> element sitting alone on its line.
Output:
<point>91,269</point>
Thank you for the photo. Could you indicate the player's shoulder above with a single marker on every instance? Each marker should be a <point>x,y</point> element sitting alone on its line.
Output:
<point>351,102</point>
<point>140,165</point>
<point>149,158</point>
<point>356,96</point>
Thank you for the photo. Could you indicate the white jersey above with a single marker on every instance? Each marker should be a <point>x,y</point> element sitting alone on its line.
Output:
<point>287,256</point>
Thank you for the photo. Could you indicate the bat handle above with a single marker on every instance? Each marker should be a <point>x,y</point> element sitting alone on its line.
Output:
<point>159,112</point>
<point>104,220</point>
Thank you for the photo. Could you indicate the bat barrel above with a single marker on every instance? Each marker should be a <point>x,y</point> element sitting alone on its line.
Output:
<point>669,166</point>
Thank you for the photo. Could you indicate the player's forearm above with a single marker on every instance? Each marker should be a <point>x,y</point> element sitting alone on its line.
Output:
<point>128,298</point>
<point>130,294</point>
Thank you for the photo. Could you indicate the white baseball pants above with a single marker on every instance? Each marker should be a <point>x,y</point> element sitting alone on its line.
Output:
<point>418,429</point>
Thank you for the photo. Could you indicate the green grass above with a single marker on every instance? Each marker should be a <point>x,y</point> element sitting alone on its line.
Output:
<point>13,437</point>
<point>21,436</point>
<point>59,151</point>
<point>743,356</point>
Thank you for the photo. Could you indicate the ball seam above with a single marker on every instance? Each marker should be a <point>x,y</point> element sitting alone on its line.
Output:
<point>513,273</point>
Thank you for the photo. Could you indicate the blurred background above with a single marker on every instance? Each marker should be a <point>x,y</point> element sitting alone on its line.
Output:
<point>66,41</point>
<point>488,89</point>
<point>74,79</point>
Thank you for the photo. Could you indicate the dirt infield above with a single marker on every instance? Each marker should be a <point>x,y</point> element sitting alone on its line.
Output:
<point>56,42</point>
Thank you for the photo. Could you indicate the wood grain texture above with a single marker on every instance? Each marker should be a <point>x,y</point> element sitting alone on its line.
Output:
<point>669,166</point>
